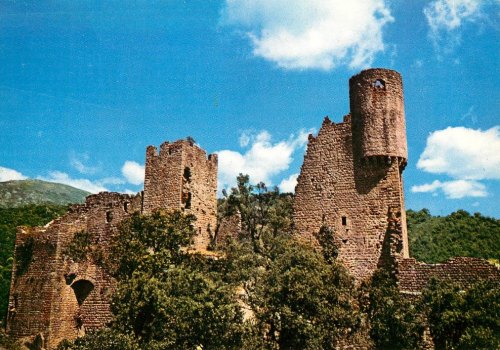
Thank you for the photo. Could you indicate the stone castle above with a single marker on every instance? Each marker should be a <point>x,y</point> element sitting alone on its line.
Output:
<point>350,181</point>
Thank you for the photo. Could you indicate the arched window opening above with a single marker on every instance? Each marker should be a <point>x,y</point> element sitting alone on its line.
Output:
<point>82,289</point>
<point>109,216</point>
<point>379,84</point>
<point>125,207</point>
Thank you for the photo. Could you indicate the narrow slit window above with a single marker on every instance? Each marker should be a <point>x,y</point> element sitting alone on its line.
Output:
<point>109,216</point>
<point>344,220</point>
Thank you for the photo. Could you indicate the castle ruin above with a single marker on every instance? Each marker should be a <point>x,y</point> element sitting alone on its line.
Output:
<point>350,182</point>
<point>56,296</point>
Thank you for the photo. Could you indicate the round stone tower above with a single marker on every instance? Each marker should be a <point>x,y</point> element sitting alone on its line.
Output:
<point>378,117</point>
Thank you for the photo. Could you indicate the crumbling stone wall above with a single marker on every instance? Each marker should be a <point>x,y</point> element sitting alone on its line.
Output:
<point>55,295</point>
<point>59,296</point>
<point>229,227</point>
<point>182,177</point>
<point>413,276</point>
<point>351,178</point>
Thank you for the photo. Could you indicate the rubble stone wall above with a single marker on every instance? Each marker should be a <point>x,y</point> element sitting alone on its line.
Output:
<point>182,177</point>
<point>413,275</point>
<point>55,295</point>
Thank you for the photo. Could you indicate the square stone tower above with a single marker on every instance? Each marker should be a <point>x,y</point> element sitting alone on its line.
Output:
<point>351,178</point>
<point>182,177</point>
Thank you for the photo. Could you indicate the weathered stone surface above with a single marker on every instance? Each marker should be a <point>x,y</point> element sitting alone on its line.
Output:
<point>59,298</point>
<point>351,178</point>
<point>413,275</point>
<point>182,177</point>
<point>229,227</point>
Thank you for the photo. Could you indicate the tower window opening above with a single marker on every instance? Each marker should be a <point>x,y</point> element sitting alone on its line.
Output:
<point>109,216</point>
<point>379,84</point>
<point>125,207</point>
<point>187,174</point>
<point>344,220</point>
<point>187,203</point>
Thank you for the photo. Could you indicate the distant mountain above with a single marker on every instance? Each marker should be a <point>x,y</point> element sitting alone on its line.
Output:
<point>22,192</point>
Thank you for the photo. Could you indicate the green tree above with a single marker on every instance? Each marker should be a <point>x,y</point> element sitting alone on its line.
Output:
<point>463,318</point>
<point>167,297</point>
<point>299,300</point>
<point>435,239</point>
<point>262,210</point>
<point>396,322</point>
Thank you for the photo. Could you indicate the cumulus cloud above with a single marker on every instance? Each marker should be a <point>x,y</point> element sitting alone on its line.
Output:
<point>262,160</point>
<point>317,34</point>
<point>288,184</point>
<point>455,189</point>
<point>446,17</point>
<point>466,155</point>
<point>133,172</point>
<point>463,153</point>
<point>7,174</point>
<point>83,184</point>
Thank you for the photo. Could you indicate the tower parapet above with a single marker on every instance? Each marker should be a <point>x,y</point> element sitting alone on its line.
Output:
<point>378,117</point>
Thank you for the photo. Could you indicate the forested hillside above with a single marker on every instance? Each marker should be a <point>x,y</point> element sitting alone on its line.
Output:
<point>18,193</point>
<point>437,238</point>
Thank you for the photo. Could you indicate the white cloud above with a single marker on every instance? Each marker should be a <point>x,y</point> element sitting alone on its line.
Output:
<point>77,161</point>
<point>83,184</point>
<point>263,160</point>
<point>288,184</point>
<point>446,17</point>
<point>463,153</point>
<point>453,189</point>
<point>318,34</point>
<point>7,174</point>
<point>467,155</point>
<point>133,172</point>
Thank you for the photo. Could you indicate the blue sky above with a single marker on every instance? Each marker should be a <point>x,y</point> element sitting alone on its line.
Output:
<point>85,86</point>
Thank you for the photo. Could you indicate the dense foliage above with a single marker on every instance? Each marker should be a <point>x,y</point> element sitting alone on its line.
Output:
<point>396,322</point>
<point>436,239</point>
<point>10,218</point>
<point>463,319</point>
<point>264,290</point>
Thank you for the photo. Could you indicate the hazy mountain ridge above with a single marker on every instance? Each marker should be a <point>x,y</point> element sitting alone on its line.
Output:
<point>18,193</point>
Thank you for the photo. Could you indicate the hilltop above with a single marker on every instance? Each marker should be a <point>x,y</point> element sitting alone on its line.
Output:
<point>18,193</point>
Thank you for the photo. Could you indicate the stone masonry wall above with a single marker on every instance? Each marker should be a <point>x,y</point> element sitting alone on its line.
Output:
<point>413,275</point>
<point>182,177</point>
<point>55,295</point>
<point>351,178</point>
<point>351,196</point>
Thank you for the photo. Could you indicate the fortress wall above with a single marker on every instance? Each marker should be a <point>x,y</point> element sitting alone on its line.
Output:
<point>353,197</point>
<point>44,298</point>
<point>413,275</point>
